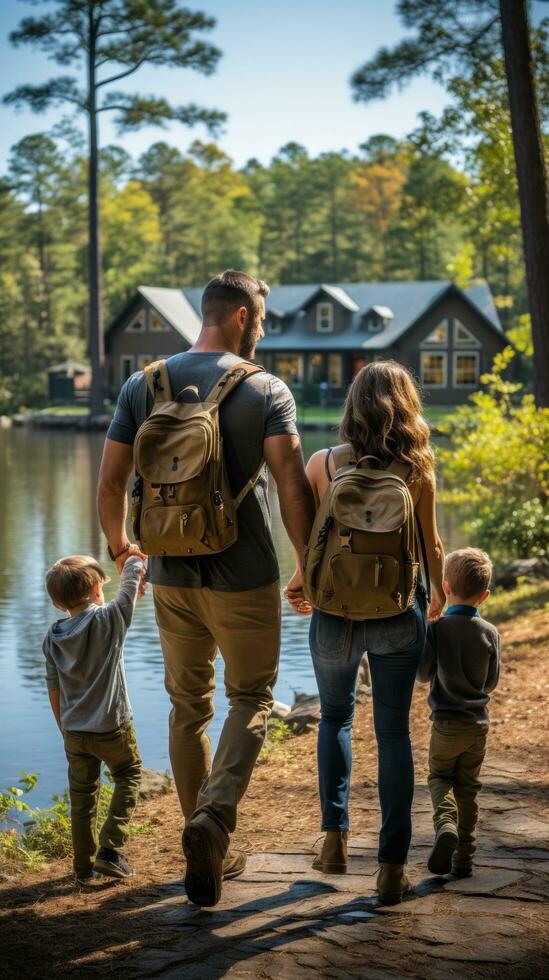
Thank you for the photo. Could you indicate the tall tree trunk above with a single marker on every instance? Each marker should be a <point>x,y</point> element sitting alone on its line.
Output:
<point>94,251</point>
<point>532,181</point>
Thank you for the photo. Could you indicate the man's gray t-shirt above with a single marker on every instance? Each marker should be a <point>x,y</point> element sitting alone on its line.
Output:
<point>261,406</point>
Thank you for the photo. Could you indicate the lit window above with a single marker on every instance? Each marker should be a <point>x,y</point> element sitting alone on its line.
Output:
<point>143,360</point>
<point>137,325</point>
<point>463,336</point>
<point>289,368</point>
<point>433,370</point>
<point>157,323</point>
<point>324,318</point>
<point>126,367</point>
<point>439,335</point>
<point>466,370</point>
<point>335,370</point>
<point>316,369</point>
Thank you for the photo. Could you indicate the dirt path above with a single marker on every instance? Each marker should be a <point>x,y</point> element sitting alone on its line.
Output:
<point>282,919</point>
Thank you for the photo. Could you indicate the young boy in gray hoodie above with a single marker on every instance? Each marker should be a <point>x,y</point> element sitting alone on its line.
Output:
<point>461,660</point>
<point>89,699</point>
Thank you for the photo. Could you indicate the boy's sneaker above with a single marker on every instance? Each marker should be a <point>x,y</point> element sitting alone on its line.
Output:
<point>440,858</point>
<point>110,862</point>
<point>465,872</point>
<point>90,878</point>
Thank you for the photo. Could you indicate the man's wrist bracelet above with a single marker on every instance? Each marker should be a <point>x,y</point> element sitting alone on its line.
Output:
<point>122,551</point>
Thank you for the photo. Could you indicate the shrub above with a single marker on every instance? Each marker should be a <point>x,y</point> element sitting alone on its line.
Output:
<point>496,467</point>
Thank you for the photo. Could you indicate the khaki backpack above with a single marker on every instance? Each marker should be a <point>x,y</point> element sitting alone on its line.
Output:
<point>182,503</point>
<point>361,560</point>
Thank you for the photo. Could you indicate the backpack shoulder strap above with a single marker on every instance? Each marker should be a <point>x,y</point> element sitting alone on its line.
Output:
<point>158,381</point>
<point>343,456</point>
<point>230,380</point>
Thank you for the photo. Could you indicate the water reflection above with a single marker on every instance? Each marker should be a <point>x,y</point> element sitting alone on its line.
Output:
<point>49,483</point>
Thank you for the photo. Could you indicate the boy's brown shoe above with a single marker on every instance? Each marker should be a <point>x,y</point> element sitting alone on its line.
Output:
<point>205,845</point>
<point>332,859</point>
<point>446,842</point>
<point>234,864</point>
<point>392,884</point>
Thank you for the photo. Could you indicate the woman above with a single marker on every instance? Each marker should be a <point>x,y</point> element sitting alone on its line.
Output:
<point>381,418</point>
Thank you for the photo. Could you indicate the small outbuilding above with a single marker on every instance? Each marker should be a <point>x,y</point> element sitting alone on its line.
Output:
<point>68,379</point>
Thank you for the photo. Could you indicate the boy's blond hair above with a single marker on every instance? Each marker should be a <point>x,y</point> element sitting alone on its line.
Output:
<point>468,572</point>
<point>70,580</point>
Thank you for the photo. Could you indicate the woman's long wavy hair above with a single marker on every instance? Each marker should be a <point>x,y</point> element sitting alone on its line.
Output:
<point>382,417</point>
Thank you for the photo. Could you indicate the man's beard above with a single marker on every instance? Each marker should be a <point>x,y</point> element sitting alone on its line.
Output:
<point>248,342</point>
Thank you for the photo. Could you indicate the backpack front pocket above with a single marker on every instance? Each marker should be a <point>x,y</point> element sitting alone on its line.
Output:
<point>182,529</point>
<point>368,583</point>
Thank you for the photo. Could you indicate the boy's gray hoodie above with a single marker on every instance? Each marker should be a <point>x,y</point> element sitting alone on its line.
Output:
<point>84,659</point>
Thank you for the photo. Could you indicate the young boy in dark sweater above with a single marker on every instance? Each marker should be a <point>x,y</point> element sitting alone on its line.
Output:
<point>461,660</point>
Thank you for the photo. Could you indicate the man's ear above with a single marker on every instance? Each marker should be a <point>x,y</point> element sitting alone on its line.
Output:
<point>242,316</point>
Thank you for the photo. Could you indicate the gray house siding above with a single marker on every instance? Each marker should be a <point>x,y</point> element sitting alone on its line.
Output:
<point>414,344</point>
<point>128,350</point>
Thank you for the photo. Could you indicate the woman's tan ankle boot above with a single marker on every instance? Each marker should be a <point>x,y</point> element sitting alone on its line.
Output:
<point>392,884</point>
<point>332,859</point>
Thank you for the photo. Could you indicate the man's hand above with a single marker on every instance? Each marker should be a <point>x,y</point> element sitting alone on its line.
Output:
<point>294,594</point>
<point>131,551</point>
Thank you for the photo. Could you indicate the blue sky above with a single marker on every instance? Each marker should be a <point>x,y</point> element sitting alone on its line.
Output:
<point>284,76</point>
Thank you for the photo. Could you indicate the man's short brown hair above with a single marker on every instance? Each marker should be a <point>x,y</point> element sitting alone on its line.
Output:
<point>70,580</point>
<point>231,289</point>
<point>468,572</point>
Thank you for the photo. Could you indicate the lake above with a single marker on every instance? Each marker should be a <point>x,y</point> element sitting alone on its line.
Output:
<point>49,483</point>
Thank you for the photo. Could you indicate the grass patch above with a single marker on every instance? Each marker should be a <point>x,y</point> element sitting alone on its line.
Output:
<point>527,597</point>
<point>331,415</point>
<point>278,732</point>
<point>45,835</point>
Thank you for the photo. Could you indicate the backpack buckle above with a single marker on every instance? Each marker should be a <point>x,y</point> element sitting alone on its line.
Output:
<point>345,539</point>
<point>156,489</point>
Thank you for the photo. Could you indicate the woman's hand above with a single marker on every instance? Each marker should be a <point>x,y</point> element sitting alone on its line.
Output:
<point>436,606</point>
<point>294,594</point>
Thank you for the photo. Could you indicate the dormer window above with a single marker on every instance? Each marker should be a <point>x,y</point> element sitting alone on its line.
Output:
<point>377,318</point>
<point>325,317</point>
<point>273,322</point>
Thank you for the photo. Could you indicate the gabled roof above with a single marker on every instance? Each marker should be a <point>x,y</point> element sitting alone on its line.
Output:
<point>173,305</point>
<point>382,311</point>
<point>407,301</point>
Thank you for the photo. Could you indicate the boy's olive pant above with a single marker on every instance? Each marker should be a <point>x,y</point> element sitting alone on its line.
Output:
<point>456,754</point>
<point>245,626</point>
<point>85,752</point>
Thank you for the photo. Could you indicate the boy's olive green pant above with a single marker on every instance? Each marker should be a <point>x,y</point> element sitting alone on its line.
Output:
<point>456,754</point>
<point>245,626</point>
<point>85,752</point>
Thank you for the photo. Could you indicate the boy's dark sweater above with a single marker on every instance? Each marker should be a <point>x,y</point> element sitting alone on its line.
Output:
<point>461,659</point>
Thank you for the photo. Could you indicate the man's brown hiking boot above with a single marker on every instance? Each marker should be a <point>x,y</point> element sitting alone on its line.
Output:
<point>234,864</point>
<point>332,859</point>
<point>205,844</point>
<point>392,884</point>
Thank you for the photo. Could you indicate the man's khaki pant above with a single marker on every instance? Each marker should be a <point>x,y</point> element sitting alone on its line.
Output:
<point>245,626</point>
<point>456,754</point>
<point>85,752</point>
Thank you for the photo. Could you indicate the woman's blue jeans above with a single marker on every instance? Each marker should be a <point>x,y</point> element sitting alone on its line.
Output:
<point>394,647</point>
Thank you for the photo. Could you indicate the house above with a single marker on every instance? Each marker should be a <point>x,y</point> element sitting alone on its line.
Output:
<point>319,335</point>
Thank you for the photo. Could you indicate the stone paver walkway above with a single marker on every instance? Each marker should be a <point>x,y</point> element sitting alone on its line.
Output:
<point>283,920</point>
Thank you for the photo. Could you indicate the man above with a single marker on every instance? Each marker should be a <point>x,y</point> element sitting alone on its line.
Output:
<point>230,600</point>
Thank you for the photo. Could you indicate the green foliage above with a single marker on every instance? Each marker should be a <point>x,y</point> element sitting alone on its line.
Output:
<point>526,597</point>
<point>46,834</point>
<point>496,467</point>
